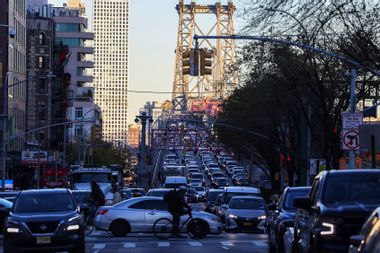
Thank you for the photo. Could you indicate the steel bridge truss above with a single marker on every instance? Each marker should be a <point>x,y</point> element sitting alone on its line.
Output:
<point>223,80</point>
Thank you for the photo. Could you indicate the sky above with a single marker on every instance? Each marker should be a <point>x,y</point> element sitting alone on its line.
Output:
<point>152,41</point>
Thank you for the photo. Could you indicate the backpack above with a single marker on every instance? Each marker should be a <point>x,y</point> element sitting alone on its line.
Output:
<point>169,196</point>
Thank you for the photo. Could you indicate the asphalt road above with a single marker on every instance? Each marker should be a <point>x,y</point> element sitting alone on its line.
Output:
<point>103,242</point>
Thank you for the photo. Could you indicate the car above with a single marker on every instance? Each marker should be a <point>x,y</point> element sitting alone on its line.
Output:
<point>196,182</point>
<point>336,208</point>
<point>245,213</point>
<point>44,220</point>
<point>191,195</point>
<point>219,183</point>
<point>211,196</point>
<point>9,195</point>
<point>201,193</point>
<point>158,192</point>
<point>175,182</point>
<point>282,216</point>
<point>5,207</point>
<point>83,200</point>
<point>369,238</point>
<point>139,215</point>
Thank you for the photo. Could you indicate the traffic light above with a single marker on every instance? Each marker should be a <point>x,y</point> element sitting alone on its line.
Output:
<point>206,62</point>
<point>190,60</point>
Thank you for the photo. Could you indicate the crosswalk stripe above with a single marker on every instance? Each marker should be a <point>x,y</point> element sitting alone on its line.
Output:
<point>195,244</point>
<point>163,244</point>
<point>260,243</point>
<point>99,246</point>
<point>227,244</point>
<point>129,245</point>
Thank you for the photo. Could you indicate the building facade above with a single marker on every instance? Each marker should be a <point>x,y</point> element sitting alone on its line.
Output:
<point>134,135</point>
<point>111,28</point>
<point>13,68</point>
<point>41,80</point>
<point>71,31</point>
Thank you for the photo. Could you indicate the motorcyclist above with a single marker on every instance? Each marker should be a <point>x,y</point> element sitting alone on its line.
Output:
<point>177,207</point>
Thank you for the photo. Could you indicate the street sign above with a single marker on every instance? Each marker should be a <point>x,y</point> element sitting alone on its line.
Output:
<point>350,139</point>
<point>352,120</point>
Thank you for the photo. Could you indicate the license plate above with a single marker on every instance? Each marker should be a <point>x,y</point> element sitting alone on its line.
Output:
<point>43,239</point>
<point>247,224</point>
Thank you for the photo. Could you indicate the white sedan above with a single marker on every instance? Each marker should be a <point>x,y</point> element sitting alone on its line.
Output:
<point>139,215</point>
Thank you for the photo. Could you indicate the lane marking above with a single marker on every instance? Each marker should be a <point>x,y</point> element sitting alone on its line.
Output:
<point>99,246</point>
<point>129,245</point>
<point>226,248</point>
<point>260,243</point>
<point>227,244</point>
<point>163,244</point>
<point>195,244</point>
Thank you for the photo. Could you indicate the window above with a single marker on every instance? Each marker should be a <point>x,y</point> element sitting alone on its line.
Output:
<point>78,131</point>
<point>41,39</point>
<point>78,112</point>
<point>41,62</point>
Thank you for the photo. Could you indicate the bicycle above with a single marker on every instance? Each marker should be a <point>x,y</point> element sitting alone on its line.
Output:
<point>163,228</point>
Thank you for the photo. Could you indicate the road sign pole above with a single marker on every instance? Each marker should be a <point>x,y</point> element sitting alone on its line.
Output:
<point>351,153</point>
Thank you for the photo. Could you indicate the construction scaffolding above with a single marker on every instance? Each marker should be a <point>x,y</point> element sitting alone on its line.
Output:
<point>223,79</point>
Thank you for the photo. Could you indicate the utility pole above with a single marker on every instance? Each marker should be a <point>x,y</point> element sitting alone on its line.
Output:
<point>351,153</point>
<point>142,165</point>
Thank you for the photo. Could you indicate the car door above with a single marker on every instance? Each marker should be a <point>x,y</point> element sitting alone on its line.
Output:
<point>136,215</point>
<point>305,222</point>
<point>157,209</point>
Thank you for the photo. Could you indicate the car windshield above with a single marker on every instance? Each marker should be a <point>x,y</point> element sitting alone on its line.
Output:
<point>44,202</point>
<point>229,195</point>
<point>354,189</point>
<point>196,176</point>
<point>288,204</point>
<point>212,196</point>
<point>253,204</point>
<point>89,177</point>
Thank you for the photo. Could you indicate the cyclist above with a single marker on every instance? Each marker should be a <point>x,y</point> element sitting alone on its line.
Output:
<point>177,207</point>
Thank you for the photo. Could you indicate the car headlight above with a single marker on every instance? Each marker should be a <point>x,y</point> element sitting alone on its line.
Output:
<point>13,230</point>
<point>327,228</point>
<point>232,216</point>
<point>263,217</point>
<point>72,227</point>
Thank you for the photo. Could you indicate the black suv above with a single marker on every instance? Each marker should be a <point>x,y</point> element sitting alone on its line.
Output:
<point>44,220</point>
<point>336,208</point>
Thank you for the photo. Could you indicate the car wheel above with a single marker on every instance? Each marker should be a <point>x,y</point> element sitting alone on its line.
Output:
<point>120,228</point>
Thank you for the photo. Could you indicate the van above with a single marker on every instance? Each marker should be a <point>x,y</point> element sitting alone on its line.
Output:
<point>175,182</point>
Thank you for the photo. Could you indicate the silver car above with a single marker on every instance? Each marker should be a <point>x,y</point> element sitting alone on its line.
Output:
<point>139,215</point>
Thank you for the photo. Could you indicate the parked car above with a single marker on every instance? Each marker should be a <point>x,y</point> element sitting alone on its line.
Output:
<point>336,208</point>
<point>44,220</point>
<point>139,215</point>
<point>282,216</point>
<point>245,213</point>
<point>368,240</point>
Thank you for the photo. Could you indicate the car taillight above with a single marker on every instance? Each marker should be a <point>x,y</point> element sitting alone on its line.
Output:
<point>103,212</point>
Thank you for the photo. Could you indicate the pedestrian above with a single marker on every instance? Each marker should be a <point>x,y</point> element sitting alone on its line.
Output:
<point>97,195</point>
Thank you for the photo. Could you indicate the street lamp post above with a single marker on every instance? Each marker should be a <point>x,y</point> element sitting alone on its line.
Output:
<point>143,118</point>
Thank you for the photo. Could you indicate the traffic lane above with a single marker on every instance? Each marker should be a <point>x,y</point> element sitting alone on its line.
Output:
<point>238,242</point>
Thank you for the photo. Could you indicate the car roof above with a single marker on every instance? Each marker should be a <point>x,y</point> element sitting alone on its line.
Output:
<point>241,189</point>
<point>349,172</point>
<point>41,191</point>
<point>246,197</point>
<point>298,188</point>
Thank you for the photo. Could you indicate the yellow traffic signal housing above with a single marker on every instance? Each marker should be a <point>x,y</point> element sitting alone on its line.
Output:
<point>206,62</point>
<point>190,62</point>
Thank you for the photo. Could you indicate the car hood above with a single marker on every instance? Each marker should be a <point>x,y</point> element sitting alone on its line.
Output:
<point>204,215</point>
<point>349,209</point>
<point>246,213</point>
<point>42,216</point>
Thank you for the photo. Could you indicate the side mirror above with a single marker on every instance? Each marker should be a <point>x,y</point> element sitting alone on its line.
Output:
<point>303,203</point>
<point>356,240</point>
<point>272,207</point>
